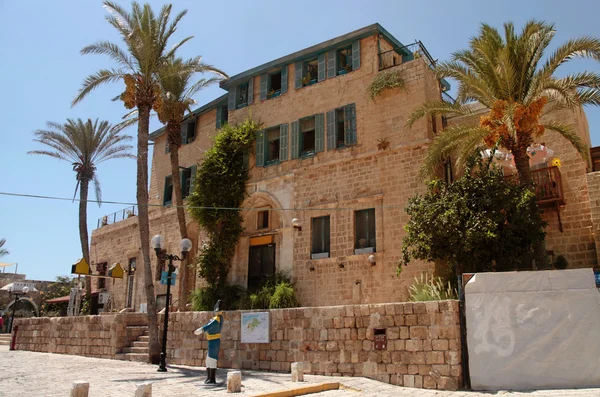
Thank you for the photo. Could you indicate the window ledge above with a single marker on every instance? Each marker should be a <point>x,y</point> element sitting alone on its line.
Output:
<point>307,155</point>
<point>322,255</point>
<point>361,251</point>
<point>271,163</point>
<point>241,105</point>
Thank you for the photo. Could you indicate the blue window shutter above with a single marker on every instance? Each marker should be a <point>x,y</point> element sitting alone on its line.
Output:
<point>219,116</point>
<point>331,133</point>
<point>232,98</point>
<point>193,170</point>
<point>167,184</point>
<point>298,74</point>
<point>350,124</point>
<point>250,90</point>
<point>264,79</point>
<point>356,55</point>
<point>284,79</point>
<point>283,142</point>
<point>295,140</point>
<point>184,134</point>
<point>322,75</point>
<point>182,183</point>
<point>319,132</point>
<point>331,64</point>
<point>260,148</point>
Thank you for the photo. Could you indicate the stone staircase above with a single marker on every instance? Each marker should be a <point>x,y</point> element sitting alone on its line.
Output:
<point>4,339</point>
<point>138,351</point>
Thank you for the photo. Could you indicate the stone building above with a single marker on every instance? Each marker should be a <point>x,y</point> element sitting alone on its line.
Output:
<point>340,163</point>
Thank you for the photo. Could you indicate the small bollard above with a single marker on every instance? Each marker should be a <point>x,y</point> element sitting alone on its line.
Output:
<point>80,388</point>
<point>297,372</point>
<point>143,389</point>
<point>234,382</point>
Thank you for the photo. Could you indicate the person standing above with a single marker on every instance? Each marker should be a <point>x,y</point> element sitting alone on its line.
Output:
<point>213,336</point>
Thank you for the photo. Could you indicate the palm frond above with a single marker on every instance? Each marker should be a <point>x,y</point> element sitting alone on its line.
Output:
<point>437,108</point>
<point>567,132</point>
<point>93,81</point>
<point>447,143</point>
<point>112,50</point>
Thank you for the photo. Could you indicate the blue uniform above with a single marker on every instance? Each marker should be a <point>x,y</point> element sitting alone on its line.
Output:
<point>213,335</point>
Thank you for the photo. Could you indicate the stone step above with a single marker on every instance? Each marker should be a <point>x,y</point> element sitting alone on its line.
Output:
<point>141,357</point>
<point>138,343</point>
<point>4,342</point>
<point>144,338</point>
<point>4,337</point>
<point>136,350</point>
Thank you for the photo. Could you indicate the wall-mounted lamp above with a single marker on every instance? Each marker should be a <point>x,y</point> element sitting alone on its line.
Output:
<point>297,224</point>
<point>371,260</point>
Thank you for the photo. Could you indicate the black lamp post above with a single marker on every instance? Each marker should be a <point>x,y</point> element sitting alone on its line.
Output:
<point>158,243</point>
<point>24,291</point>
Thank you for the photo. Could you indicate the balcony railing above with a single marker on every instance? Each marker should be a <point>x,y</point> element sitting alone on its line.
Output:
<point>548,186</point>
<point>117,216</point>
<point>397,56</point>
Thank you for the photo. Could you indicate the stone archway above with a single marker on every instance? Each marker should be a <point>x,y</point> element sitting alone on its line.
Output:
<point>30,301</point>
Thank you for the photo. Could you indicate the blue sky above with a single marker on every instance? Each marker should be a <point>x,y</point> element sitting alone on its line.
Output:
<point>41,70</point>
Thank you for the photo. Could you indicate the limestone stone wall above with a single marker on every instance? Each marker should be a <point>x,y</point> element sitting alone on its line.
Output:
<point>91,336</point>
<point>423,346</point>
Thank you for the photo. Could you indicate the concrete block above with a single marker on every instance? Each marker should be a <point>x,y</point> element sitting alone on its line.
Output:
<point>143,389</point>
<point>80,388</point>
<point>297,370</point>
<point>234,382</point>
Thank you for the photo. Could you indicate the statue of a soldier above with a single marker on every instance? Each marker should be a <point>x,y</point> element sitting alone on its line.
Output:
<point>213,336</point>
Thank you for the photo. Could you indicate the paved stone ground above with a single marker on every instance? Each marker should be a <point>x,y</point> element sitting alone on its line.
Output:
<point>40,374</point>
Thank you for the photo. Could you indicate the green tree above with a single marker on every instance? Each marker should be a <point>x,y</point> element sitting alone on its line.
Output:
<point>178,88</point>
<point>60,287</point>
<point>145,35</point>
<point>478,219</point>
<point>85,144</point>
<point>3,251</point>
<point>219,189</point>
<point>506,74</point>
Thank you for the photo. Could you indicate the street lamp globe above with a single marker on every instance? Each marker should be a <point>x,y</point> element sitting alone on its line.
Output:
<point>157,242</point>
<point>185,245</point>
<point>25,290</point>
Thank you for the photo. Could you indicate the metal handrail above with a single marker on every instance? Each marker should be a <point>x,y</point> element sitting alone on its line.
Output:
<point>399,55</point>
<point>117,216</point>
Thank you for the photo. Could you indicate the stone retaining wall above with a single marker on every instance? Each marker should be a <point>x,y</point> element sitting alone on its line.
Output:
<point>422,350</point>
<point>91,336</point>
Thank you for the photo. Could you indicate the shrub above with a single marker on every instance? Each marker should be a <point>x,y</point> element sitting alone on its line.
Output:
<point>284,296</point>
<point>233,297</point>
<point>431,289</point>
<point>561,262</point>
<point>384,80</point>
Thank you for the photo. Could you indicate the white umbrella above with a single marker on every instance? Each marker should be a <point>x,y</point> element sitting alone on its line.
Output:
<point>18,287</point>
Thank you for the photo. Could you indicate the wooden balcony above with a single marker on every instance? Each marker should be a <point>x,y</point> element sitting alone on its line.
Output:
<point>548,186</point>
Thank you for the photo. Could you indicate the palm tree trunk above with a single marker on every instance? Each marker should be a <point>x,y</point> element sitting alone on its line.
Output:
<point>174,139</point>
<point>142,201</point>
<point>522,165</point>
<point>83,232</point>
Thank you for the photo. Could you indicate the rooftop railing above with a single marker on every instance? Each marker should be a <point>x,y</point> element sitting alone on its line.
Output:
<point>117,216</point>
<point>397,56</point>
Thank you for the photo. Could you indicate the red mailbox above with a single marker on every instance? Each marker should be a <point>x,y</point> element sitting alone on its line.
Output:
<point>380,339</point>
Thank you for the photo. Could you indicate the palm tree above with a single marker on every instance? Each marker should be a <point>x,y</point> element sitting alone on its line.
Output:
<point>177,92</point>
<point>506,74</point>
<point>3,251</point>
<point>145,35</point>
<point>85,144</point>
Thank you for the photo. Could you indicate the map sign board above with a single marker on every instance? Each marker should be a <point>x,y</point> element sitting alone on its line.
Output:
<point>255,327</point>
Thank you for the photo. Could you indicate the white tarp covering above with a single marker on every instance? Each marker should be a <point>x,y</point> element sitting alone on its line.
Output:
<point>533,330</point>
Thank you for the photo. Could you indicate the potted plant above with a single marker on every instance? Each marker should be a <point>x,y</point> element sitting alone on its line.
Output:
<point>130,213</point>
<point>104,221</point>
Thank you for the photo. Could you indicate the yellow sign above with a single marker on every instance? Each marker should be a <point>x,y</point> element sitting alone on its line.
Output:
<point>262,240</point>
<point>116,271</point>
<point>81,267</point>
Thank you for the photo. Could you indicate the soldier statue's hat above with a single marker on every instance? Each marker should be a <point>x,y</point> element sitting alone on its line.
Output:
<point>217,307</point>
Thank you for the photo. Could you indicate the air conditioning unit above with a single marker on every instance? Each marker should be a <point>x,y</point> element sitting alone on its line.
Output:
<point>103,298</point>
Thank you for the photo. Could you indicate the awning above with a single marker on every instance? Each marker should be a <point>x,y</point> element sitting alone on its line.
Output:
<point>63,299</point>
